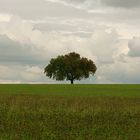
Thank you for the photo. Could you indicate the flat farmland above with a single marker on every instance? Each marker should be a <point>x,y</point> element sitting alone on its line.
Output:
<point>69,112</point>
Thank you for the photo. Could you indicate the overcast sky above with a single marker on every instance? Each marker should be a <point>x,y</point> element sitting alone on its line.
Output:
<point>34,31</point>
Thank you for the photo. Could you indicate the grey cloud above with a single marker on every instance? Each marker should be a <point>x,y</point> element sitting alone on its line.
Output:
<point>81,4</point>
<point>55,27</point>
<point>20,73</point>
<point>38,9</point>
<point>84,26</point>
<point>119,72</point>
<point>134,47</point>
<point>65,29</point>
<point>12,52</point>
<point>121,3</point>
<point>99,3</point>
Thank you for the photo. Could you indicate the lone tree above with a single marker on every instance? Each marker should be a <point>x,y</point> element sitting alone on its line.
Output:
<point>70,67</point>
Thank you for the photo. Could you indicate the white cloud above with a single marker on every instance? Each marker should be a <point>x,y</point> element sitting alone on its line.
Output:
<point>21,74</point>
<point>104,46</point>
<point>33,73</point>
<point>7,72</point>
<point>5,17</point>
<point>33,31</point>
<point>100,43</point>
<point>9,82</point>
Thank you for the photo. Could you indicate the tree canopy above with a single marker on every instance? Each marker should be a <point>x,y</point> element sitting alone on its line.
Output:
<point>70,67</point>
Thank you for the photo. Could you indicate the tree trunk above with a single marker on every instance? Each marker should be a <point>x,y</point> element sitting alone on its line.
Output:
<point>72,81</point>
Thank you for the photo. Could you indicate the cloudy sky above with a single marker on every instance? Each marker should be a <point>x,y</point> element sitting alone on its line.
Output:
<point>33,31</point>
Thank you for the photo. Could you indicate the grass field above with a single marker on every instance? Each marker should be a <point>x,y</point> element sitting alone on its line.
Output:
<point>69,112</point>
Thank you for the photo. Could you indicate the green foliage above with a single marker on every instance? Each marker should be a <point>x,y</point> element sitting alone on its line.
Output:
<point>65,112</point>
<point>70,67</point>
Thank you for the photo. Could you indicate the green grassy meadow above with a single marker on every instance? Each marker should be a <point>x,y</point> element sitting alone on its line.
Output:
<point>69,112</point>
